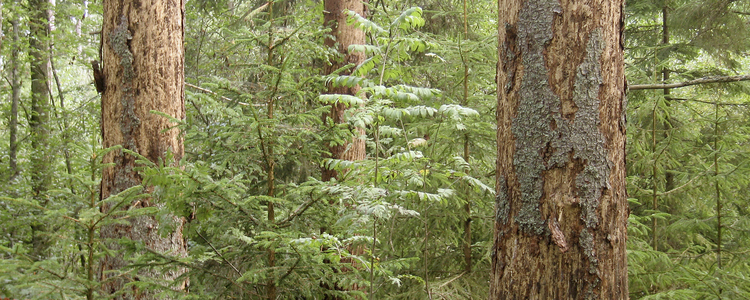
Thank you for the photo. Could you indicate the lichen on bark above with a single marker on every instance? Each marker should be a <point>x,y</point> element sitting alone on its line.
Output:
<point>540,128</point>
<point>586,240</point>
<point>118,41</point>
<point>582,136</point>
<point>538,109</point>
<point>560,149</point>
<point>129,121</point>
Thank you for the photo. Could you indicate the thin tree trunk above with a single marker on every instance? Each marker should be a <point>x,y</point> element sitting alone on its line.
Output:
<point>271,170</point>
<point>343,36</point>
<point>2,33</point>
<point>15,99</point>
<point>654,183</point>
<point>561,207</point>
<point>39,121</point>
<point>79,24</point>
<point>668,175</point>
<point>719,205</point>
<point>143,67</point>
<point>64,127</point>
<point>464,102</point>
<point>717,188</point>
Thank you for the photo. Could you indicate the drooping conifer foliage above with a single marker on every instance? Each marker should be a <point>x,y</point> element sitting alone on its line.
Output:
<point>412,218</point>
<point>687,150</point>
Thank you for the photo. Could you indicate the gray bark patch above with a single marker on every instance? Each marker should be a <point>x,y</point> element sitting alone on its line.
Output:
<point>538,108</point>
<point>129,121</point>
<point>539,113</point>
<point>583,137</point>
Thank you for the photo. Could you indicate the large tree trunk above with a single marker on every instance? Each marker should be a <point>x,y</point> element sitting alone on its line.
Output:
<point>144,70</point>
<point>561,207</point>
<point>38,123</point>
<point>343,36</point>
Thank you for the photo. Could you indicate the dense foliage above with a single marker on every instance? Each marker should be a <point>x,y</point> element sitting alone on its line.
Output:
<point>688,151</point>
<point>392,225</point>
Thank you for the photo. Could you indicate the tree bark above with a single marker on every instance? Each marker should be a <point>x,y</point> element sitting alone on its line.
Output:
<point>466,157</point>
<point>343,36</point>
<point>143,66</point>
<point>38,123</point>
<point>2,33</point>
<point>15,80</point>
<point>561,207</point>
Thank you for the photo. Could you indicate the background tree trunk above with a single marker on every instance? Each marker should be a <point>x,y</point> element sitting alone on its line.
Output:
<point>561,207</point>
<point>38,123</point>
<point>344,35</point>
<point>466,156</point>
<point>143,58</point>
<point>15,80</point>
<point>2,33</point>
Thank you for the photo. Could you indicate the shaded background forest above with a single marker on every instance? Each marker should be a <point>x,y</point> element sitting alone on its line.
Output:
<point>393,225</point>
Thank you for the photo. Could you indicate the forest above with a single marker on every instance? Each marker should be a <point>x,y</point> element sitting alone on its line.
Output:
<point>381,149</point>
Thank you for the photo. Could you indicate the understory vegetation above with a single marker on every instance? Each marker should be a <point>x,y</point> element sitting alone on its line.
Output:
<point>391,226</point>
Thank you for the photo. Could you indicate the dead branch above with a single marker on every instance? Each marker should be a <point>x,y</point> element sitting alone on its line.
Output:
<point>704,80</point>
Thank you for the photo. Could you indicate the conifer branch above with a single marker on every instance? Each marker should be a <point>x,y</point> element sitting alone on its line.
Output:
<point>704,80</point>
<point>219,254</point>
<point>217,94</point>
<point>297,212</point>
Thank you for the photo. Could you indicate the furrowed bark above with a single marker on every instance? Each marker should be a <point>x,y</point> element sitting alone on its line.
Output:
<point>143,63</point>
<point>343,36</point>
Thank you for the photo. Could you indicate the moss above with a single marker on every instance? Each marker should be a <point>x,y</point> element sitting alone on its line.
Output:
<point>586,136</point>
<point>537,109</point>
